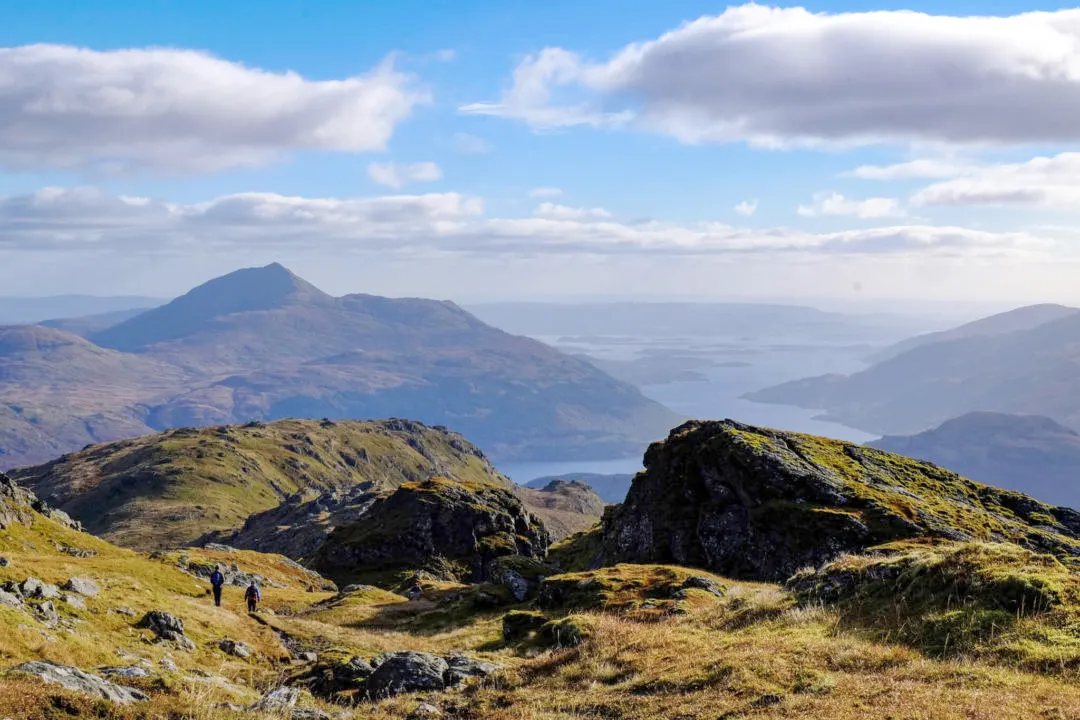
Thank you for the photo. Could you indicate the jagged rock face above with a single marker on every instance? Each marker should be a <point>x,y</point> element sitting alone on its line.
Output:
<point>761,504</point>
<point>461,527</point>
<point>14,503</point>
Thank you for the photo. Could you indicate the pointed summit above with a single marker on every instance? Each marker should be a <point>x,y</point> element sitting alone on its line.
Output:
<point>248,290</point>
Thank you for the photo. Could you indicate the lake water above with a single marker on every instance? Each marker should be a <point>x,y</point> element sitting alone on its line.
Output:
<point>769,361</point>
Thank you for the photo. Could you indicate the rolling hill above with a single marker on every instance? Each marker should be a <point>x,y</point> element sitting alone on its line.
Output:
<point>1023,318</point>
<point>280,486</point>
<point>1026,453</point>
<point>1031,371</point>
<point>263,344</point>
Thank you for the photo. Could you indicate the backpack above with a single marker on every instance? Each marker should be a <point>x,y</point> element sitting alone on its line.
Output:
<point>217,579</point>
<point>252,594</point>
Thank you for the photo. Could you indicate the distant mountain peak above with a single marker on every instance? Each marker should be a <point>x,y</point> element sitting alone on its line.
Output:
<point>253,289</point>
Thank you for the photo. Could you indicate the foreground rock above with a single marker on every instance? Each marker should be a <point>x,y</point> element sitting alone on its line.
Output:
<point>454,530</point>
<point>761,504</point>
<point>75,679</point>
<point>166,627</point>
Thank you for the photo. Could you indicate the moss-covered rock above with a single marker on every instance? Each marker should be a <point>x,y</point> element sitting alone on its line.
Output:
<point>519,625</point>
<point>454,530</point>
<point>761,504</point>
<point>642,590</point>
<point>944,596</point>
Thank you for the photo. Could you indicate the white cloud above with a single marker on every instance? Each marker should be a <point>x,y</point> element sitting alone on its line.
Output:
<point>563,212</point>
<point>1048,182</point>
<point>837,204</point>
<point>182,110</point>
<point>467,144</point>
<point>398,175</point>
<point>542,192</point>
<point>923,168</point>
<point>529,98</point>
<point>74,220</point>
<point>781,76</point>
<point>746,207</point>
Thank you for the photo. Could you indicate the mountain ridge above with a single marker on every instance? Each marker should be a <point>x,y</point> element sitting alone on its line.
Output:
<point>263,344</point>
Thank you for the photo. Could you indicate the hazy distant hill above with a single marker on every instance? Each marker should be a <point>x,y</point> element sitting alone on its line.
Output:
<point>611,488</point>
<point>692,319</point>
<point>18,310</point>
<point>263,344</point>
<point>1023,318</point>
<point>1034,371</point>
<point>87,325</point>
<point>1033,455</point>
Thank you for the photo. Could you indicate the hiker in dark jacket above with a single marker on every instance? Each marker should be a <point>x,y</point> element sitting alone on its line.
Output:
<point>216,581</point>
<point>252,596</point>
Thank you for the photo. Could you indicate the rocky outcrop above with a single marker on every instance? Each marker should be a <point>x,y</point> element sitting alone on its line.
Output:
<point>72,678</point>
<point>761,504</point>
<point>166,627</point>
<point>565,506</point>
<point>452,529</point>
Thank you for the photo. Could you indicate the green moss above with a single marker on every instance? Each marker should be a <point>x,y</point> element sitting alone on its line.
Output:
<point>947,597</point>
<point>577,552</point>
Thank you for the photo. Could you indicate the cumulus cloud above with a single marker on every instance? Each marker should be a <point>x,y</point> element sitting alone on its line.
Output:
<point>837,204</point>
<point>1049,182</point>
<point>746,208</point>
<point>564,212</point>
<point>542,192</point>
<point>782,76</point>
<point>182,111</point>
<point>398,175</point>
<point>85,219</point>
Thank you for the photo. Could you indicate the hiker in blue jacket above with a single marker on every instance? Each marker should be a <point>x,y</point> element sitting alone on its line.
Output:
<point>216,581</point>
<point>252,596</point>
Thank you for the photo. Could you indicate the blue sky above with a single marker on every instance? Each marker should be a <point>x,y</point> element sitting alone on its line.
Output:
<point>717,162</point>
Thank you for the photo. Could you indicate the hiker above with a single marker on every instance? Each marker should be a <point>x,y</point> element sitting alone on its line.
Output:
<point>216,581</point>
<point>252,596</point>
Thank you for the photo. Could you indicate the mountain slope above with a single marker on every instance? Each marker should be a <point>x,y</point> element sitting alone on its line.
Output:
<point>761,504</point>
<point>166,490</point>
<point>59,392</point>
<point>1026,453</point>
<point>1026,372</point>
<point>1023,318</point>
<point>278,487</point>
<point>263,344</point>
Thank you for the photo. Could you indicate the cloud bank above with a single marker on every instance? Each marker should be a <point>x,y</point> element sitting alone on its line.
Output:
<point>80,219</point>
<point>788,76</point>
<point>168,110</point>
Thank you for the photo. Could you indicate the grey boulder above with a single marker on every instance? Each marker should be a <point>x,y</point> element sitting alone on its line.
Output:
<point>406,671</point>
<point>82,586</point>
<point>75,679</point>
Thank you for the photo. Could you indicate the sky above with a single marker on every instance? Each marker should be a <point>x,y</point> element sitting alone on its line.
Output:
<point>482,150</point>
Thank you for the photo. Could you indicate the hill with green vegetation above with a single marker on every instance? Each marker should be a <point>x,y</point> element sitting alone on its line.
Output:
<point>262,344</point>
<point>1026,453</point>
<point>274,487</point>
<point>762,504</point>
<point>958,616</point>
<point>1020,363</point>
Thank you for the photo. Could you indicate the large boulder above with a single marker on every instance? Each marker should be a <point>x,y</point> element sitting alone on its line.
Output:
<point>406,671</point>
<point>452,529</point>
<point>75,679</point>
<point>166,627</point>
<point>761,504</point>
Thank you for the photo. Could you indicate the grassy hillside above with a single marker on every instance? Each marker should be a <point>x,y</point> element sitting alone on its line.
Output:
<point>165,490</point>
<point>921,628</point>
<point>275,487</point>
